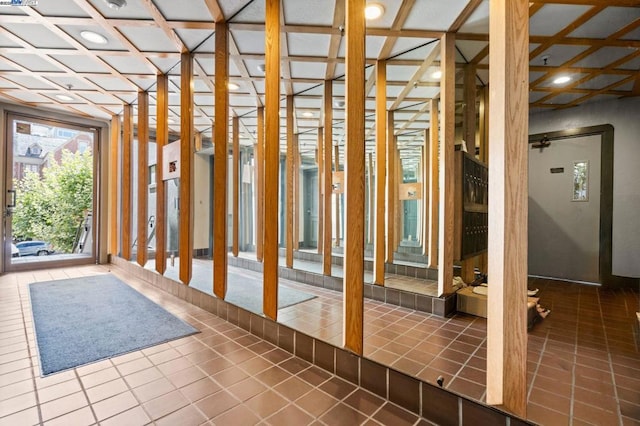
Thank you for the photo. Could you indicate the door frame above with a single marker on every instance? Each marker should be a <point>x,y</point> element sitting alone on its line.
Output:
<point>9,116</point>
<point>606,133</point>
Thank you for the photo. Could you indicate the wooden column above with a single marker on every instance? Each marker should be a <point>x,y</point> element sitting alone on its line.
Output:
<point>483,131</point>
<point>260,185</point>
<point>371,199</point>
<point>426,182</point>
<point>272,157</point>
<point>469,131</point>
<point>143,173</point>
<point>126,204</point>
<point>353,306</point>
<point>327,178</point>
<point>235,137</point>
<point>321,172</point>
<point>483,112</point>
<point>289,185</point>
<point>379,247</point>
<point>399,210</point>
<point>392,187</point>
<point>447,169</point>
<point>469,120</point>
<point>185,248</point>
<point>434,191</point>
<point>162,139</point>
<point>114,149</point>
<point>296,193</point>
<point>508,130</point>
<point>220,160</point>
<point>336,160</point>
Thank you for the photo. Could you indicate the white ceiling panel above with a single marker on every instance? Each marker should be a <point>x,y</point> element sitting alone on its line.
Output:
<point>469,48</point>
<point>604,57</point>
<point>127,65</point>
<point>30,97</point>
<point>31,62</point>
<point>148,39</point>
<point>82,63</point>
<point>249,41</point>
<point>100,98</point>
<point>306,12</point>
<point>478,22</point>
<point>75,30</point>
<point>607,22</point>
<point>194,38</point>
<point>134,10</point>
<point>254,12</point>
<point>601,81</point>
<point>36,35</point>
<point>113,84</point>
<point>164,64</point>
<point>564,98</point>
<point>184,10</point>
<point>552,18</point>
<point>373,45</point>
<point>27,81</point>
<point>536,96</point>
<point>75,83</point>
<point>307,44</point>
<point>6,42</point>
<point>434,14</point>
<point>558,54</point>
<point>308,70</point>
<point>391,8</point>
<point>412,48</point>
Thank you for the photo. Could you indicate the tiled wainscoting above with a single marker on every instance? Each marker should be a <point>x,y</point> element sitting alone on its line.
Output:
<point>429,401</point>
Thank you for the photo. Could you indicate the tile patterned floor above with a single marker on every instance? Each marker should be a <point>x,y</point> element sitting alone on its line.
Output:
<point>222,376</point>
<point>583,359</point>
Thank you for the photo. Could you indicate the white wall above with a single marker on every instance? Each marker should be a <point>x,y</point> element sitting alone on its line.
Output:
<point>624,116</point>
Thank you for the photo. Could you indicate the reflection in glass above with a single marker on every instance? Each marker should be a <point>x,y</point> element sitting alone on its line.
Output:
<point>581,180</point>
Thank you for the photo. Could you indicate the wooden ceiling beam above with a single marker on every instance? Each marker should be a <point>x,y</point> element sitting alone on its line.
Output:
<point>464,15</point>
<point>398,23</point>
<point>336,38</point>
<point>417,75</point>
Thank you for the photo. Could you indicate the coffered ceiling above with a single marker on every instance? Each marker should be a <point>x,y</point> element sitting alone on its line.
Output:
<point>47,63</point>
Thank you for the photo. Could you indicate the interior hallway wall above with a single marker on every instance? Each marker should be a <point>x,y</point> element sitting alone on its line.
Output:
<point>623,115</point>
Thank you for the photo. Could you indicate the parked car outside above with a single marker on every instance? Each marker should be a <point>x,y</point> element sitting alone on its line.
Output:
<point>14,251</point>
<point>34,248</point>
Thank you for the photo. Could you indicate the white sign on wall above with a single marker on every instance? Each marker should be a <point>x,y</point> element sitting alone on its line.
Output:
<point>171,161</point>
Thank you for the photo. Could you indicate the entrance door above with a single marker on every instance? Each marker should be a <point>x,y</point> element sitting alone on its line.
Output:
<point>50,193</point>
<point>564,209</point>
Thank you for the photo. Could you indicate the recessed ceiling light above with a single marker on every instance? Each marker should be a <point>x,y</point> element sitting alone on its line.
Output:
<point>562,79</point>
<point>339,103</point>
<point>261,67</point>
<point>307,114</point>
<point>436,75</point>
<point>373,11</point>
<point>233,86</point>
<point>64,98</point>
<point>93,37</point>
<point>116,4</point>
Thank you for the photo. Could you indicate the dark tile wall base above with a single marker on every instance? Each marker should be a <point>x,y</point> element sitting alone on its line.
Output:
<point>429,401</point>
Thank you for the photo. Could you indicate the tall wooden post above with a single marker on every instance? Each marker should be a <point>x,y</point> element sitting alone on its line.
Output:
<point>336,160</point>
<point>353,306</point>
<point>381,172</point>
<point>426,182</point>
<point>114,149</point>
<point>235,137</point>
<point>289,186</point>
<point>434,191</point>
<point>162,139</point>
<point>296,193</point>
<point>220,160</point>
<point>321,172</point>
<point>260,186</point>
<point>392,187</point>
<point>143,176</point>
<point>508,124</point>
<point>327,178</point>
<point>483,112</point>
<point>447,169</point>
<point>370,198</point>
<point>185,249</point>
<point>272,158</point>
<point>127,209</point>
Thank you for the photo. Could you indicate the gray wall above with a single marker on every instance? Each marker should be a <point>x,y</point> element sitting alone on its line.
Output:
<point>624,116</point>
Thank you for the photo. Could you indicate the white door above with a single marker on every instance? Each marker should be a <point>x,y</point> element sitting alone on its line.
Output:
<point>564,209</point>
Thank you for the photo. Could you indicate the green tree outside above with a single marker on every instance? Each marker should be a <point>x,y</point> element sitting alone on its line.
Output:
<point>51,208</point>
